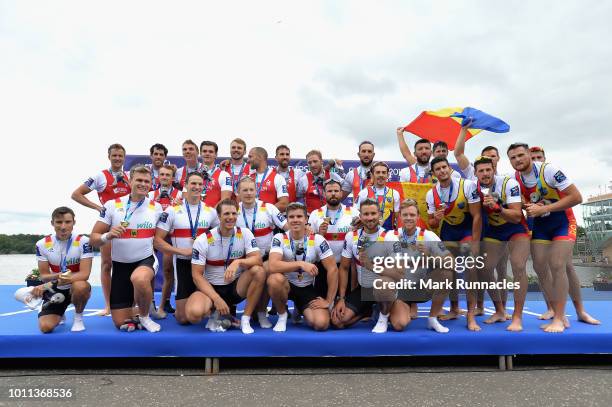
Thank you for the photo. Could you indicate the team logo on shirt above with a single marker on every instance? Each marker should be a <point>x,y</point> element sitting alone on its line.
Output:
<point>134,233</point>
<point>276,242</point>
<point>560,177</point>
<point>515,191</point>
<point>163,217</point>
<point>103,212</point>
<point>86,248</point>
<point>280,217</point>
<point>284,189</point>
<point>89,182</point>
<point>253,243</point>
<point>474,194</point>
<point>38,251</point>
<point>324,246</point>
<point>195,254</point>
<point>228,181</point>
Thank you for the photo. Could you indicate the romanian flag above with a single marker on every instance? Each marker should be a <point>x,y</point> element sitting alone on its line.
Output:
<point>418,192</point>
<point>445,124</point>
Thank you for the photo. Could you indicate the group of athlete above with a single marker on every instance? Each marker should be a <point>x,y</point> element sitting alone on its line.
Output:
<point>236,230</point>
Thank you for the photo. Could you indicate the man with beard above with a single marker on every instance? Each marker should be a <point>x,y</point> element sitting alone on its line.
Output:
<point>217,183</point>
<point>190,154</point>
<point>158,153</point>
<point>358,179</point>
<point>291,175</point>
<point>549,197</point>
<point>388,198</point>
<point>454,206</point>
<point>109,184</point>
<point>360,246</point>
<point>310,186</point>
<point>505,228</point>
<point>270,186</point>
<point>538,155</point>
<point>237,166</point>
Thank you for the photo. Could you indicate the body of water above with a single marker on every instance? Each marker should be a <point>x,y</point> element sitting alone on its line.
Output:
<point>15,267</point>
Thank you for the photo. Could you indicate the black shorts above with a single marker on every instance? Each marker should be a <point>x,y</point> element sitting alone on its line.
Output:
<point>184,280</point>
<point>122,290</point>
<point>229,293</point>
<point>354,302</point>
<point>301,296</point>
<point>56,302</point>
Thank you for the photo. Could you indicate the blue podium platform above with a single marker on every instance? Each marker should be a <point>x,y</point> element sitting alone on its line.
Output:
<point>20,338</point>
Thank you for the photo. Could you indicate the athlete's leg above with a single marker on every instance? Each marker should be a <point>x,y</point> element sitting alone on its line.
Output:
<point>399,315</point>
<point>197,306</point>
<point>540,253</point>
<point>264,299</point>
<point>493,251</point>
<point>47,323</point>
<point>318,318</point>
<point>519,253</point>
<point>501,270</point>
<point>168,270</point>
<point>560,252</point>
<point>105,276</point>
<point>472,276</point>
<point>249,286</point>
<point>576,295</point>
<point>143,294</point>
<point>80,293</point>
<point>180,314</point>
<point>278,289</point>
<point>455,311</point>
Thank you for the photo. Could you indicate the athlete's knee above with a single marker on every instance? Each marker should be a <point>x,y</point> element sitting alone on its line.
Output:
<point>399,324</point>
<point>320,323</point>
<point>140,279</point>
<point>275,280</point>
<point>46,326</point>
<point>259,274</point>
<point>81,289</point>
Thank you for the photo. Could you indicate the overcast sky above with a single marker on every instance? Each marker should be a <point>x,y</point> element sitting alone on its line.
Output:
<point>78,76</point>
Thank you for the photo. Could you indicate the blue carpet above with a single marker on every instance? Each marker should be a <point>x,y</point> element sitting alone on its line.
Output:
<point>19,336</point>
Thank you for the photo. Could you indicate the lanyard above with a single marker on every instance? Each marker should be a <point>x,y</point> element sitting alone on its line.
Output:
<point>210,175</point>
<point>538,181</point>
<point>236,178</point>
<point>64,257</point>
<point>450,194</point>
<point>258,186</point>
<point>362,177</point>
<point>412,239</point>
<point>194,228</point>
<point>338,213</point>
<point>155,185</point>
<point>229,249</point>
<point>305,248</point>
<point>128,215</point>
<point>381,202</point>
<point>252,227</point>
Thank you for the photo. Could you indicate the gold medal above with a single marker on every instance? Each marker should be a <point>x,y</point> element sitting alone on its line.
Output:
<point>534,197</point>
<point>300,276</point>
<point>125,223</point>
<point>327,220</point>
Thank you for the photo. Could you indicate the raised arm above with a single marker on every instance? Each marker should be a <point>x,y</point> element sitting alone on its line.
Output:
<point>459,151</point>
<point>404,149</point>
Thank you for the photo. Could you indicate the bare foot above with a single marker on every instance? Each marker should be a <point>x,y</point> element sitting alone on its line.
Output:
<point>448,317</point>
<point>515,326</point>
<point>586,318</point>
<point>478,312</point>
<point>459,311</point>
<point>555,326</point>
<point>104,312</point>
<point>472,325</point>
<point>550,314</point>
<point>497,317</point>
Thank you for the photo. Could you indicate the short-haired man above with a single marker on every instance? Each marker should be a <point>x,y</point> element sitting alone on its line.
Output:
<point>293,271</point>
<point>237,166</point>
<point>417,242</point>
<point>454,206</point>
<point>504,226</point>
<point>130,223</point>
<point>359,178</point>
<point>64,258</point>
<point>183,223</point>
<point>190,154</point>
<point>166,195</point>
<point>109,184</point>
<point>310,186</point>
<point>291,175</point>
<point>217,183</point>
<point>270,187</point>
<point>549,196</point>
<point>226,268</point>
<point>158,153</point>
<point>352,307</point>
<point>388,198</point>
<point>537,154</point>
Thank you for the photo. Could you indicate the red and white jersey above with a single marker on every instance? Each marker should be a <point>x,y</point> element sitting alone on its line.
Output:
<point>173,195</point>
<point>267,216</point>
<point>136,243</point>
<point>356,180</point>
<point>366,277</point>
<point>338,228</point>
<point>316,249</point>
<point>52,250</point>
<point>108,185</point>
<point>213,251</point>
<point>175,220</point>
<point>237,172</point>
<point>312,192</point>
<point>181,174</point>
<point>270,186</point>
<point>291,176</point>
<point>219,181</point>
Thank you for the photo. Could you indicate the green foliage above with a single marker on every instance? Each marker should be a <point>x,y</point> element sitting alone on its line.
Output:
<point>18,244</point>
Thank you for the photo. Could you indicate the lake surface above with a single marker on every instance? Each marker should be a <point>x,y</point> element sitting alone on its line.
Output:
<point>15,267</point>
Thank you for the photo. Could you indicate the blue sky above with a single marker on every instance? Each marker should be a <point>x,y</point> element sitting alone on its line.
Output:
<point>78,76</point>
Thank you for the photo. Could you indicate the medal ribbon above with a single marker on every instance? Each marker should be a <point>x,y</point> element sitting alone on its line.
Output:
<point>194,228</point>
<point>128,215</point>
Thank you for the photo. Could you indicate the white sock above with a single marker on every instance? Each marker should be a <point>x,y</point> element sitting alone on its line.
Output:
<point>381,324</point>
<point>149,324</point>
<point>281,324</point>
<point>264,322</point>
<point>77,323</point>
<point>212,320</point>
<point>245,324</point>
<point>433,323</point>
